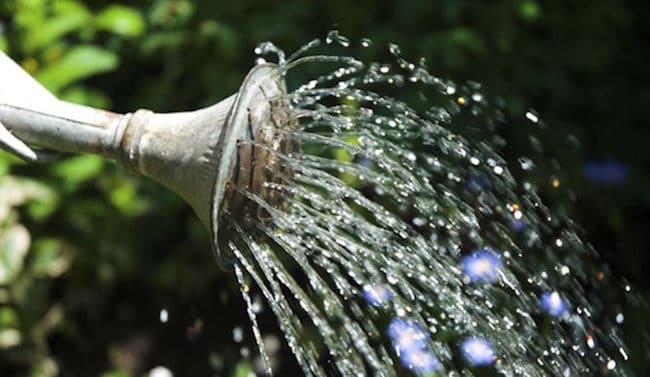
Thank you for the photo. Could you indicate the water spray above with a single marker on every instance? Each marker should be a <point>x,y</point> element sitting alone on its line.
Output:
<point>384,241</point>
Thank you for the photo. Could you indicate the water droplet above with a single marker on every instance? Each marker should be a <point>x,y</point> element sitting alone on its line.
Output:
<point>237,334</point>
<point>411,157</point>
<point>619,318</point>
<point>611,364</point>
<point>365,42</point>
<point>265,48</point>
<point>394,49</point>
<point>531,116</point>
<point>590,341</point>
<point>257,306</point>
<point>419,221</point>
<point>564,270</point>
<point>160,371</point>
<point>164,315</point>
<point>334,36</point>
<point>621,350</point>
<point>526,163</point>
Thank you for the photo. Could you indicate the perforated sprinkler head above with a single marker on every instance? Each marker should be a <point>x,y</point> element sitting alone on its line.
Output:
<point>216,158</point>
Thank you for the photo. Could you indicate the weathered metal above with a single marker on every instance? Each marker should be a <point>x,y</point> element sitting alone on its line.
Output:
<point>198,154</point>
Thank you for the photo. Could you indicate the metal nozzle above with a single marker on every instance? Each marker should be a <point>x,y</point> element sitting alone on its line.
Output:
<point>208,156</point>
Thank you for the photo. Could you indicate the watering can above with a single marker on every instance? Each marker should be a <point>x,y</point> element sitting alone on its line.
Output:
<point>208,156</point>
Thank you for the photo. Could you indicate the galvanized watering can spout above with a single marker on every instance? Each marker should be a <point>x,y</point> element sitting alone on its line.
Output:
<point>207,156</point>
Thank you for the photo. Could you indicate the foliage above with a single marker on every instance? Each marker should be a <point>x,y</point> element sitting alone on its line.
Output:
<point>108,251</point>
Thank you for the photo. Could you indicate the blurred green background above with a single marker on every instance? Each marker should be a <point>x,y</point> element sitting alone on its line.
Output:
<point>91,258</point>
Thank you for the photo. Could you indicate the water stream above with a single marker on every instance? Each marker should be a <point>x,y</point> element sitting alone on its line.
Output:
<point>399,241</point>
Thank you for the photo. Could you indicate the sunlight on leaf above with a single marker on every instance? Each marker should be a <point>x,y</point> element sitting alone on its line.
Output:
<point>77,170</point>
<point>78,63</point>
<point>44,34</point>
<point>121,20</point>
<point>14,244</point>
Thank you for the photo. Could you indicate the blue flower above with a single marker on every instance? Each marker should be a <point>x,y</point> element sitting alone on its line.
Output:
<point>553,304</point>
<point>377,294</point>
<point>420,361</point>
<point>410,339</point>
<point>365,162</point>
<point>482,265</point>
<point>478,351</point>
<point>517,225</point>
<point>609,172</point>
<point>407,335</point>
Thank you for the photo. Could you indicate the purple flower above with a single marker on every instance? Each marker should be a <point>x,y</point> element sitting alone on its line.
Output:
<point>478,351</point>
<point>553,304</point>
<point>407,335</point>
<point>517,225</point>
<point>377,294</point>
<point>609,172</point>
<point>482,265</point>
<point>420,361</point>
<point>409,339</point>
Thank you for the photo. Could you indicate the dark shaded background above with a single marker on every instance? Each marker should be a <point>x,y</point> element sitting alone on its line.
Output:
<point>126,248</point>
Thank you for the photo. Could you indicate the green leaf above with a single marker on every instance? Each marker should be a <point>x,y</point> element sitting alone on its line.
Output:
<point>4,46</point>
<point>9,338</point>
<point>243,369</point>
<point>45,367</point>
<point>47,258</point>
<point>124,197</point>
<point>171,40</point>
<point>84,96</point>
<point>70,16</point>
<point>4,163</point>
<point>529,10</point>
<point>77,170</point>
<point>43,200</point>
<point>14,244</point>
<point>121,20</point>
<point>18,191</point>
<point>8,317</point>
<point>467,38</point>
<point>77,64</point>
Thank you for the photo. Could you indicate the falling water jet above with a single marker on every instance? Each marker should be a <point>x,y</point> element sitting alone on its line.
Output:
<point>369,165</point>
<point>359,189</point>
